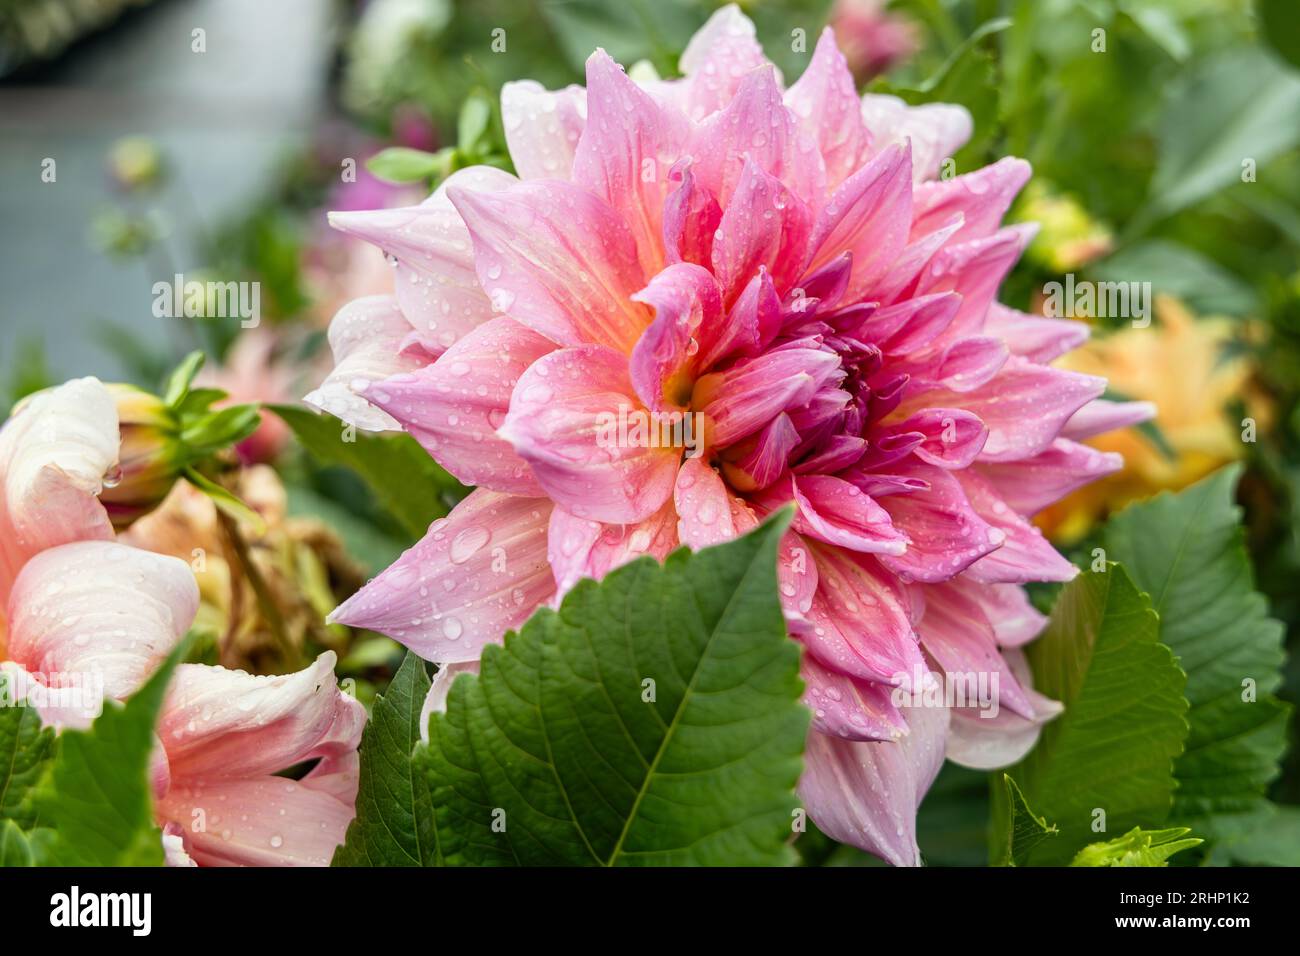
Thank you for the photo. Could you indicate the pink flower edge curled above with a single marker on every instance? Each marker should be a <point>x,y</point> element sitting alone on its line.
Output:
<point>82,609</point>
<point>781,266</point>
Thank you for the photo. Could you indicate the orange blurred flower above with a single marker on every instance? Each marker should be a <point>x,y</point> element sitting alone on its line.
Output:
<point>1182,365</point>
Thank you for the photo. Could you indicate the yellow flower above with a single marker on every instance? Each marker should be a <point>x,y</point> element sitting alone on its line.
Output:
<point>1180,364</point>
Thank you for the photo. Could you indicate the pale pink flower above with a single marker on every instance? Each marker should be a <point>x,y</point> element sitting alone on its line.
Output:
<point>783,262</point>
<point>83,610</point>
<point>872,39</point>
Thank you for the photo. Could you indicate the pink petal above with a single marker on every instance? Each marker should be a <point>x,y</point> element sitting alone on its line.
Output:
<point>703,506</point>
<point>434,282</point>
<point>435,702</point>
<point>982,198</point>
<point>826,105</point>
<point>952,437</point>
<point>691,217</point>
<point>1031,484</point>
<point>759,461</point>
<point>751,324</point>
<point>100,608</point>
<point>866,794</point>
<point>740,400</point>
<point>1015,620</point>
<point>904,328</point>
<point>976,270</point>
<point>477,573</point>
<point>555,257</point>
<point>946,535</point>
<point>366,338</point>
<point>1036,338</point>
<point>685,298</point>
<point>983,743</point>
<point>860,619</point>
<point>454,406</point>
<point>764,226</point>
<point>227,723</point>
<point>259,821</point>
<point>936,130</point>
<point>1026,555</point>
<point>849,708</point>
<point>1025,406</point>
<point>755,125</point>
<point>869,215</point>
<point>837,512</point>
<point>716,60</point>
<point>630,142</point>
<point>542,127</point>
<point>900,281</point>
<point>564,420</point>
<point>582,548</point>
<point>961,366</point>
<point>959,637</point>
<point>1103,415</point>
<point>54,453</point>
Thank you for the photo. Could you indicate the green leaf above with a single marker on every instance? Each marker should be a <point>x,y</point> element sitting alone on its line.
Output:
<point>1138,847</point>
<point>1281,27</point>
<point>25,747</point>
<point>14,849</point>
<point>1175,269</point>
<point>1112,749</point>
<point>96,795</point>
<point>1026,830</point>
<point>206,433</point>
<point>472,124</point>
<point>178,382</point>
<point>1186,550</point>
<point>401,474</point>
<point>654,719</point>
<point>393,826</point>
<point>1240,105</point>
<point>400,164</point>
<point>1276,842</point>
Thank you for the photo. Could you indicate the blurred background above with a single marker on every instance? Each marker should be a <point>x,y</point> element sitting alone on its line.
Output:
<point>140,139</point>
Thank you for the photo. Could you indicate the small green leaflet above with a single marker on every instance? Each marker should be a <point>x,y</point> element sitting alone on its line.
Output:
<point>1138,847</point>
<point>1026,830</point>
<point>1111,752</point>
<point>653,719</point>
<point>1186,550</point>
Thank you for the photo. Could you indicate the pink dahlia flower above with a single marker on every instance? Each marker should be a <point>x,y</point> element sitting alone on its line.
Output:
<point>779,267</point>
<point>85,617</point>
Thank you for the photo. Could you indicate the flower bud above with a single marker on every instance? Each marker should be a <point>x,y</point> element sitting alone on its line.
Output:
<point>150,456</point>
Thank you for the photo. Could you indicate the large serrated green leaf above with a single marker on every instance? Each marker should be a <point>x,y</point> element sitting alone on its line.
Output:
<point>95,802</point>
<point>394,821</point>
<point>1186,550</point>
<point>654,719</point>
<point>24,748</point>
<point>401,475</point>
<point>1113,747</point>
